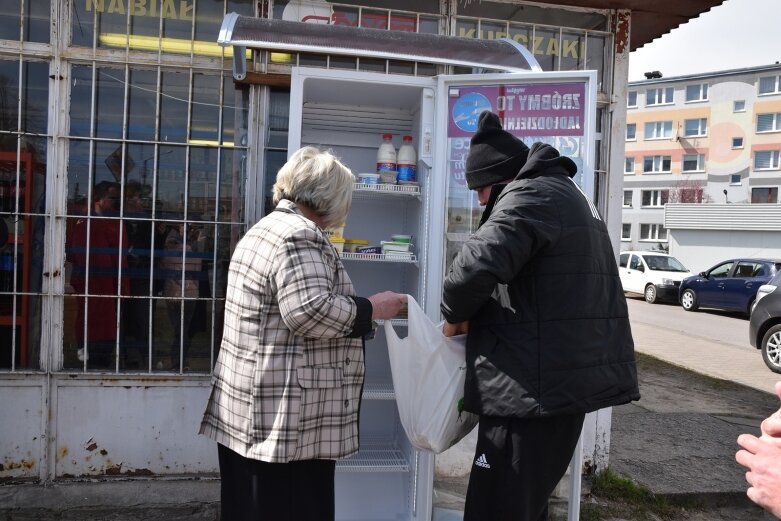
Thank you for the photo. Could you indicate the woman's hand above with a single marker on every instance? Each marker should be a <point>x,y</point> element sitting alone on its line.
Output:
<point>387,304</point>
<point>455,329</point>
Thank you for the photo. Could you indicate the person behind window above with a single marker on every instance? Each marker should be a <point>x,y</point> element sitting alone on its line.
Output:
<point>97,249</point>
<point>537,291</point>
<point>286,392</point>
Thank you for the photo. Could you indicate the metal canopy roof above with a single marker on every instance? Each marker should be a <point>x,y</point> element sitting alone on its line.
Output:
<point>245,31</point>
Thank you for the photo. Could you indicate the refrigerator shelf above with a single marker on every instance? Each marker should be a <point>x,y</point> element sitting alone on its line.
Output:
<point>380,257</point>
<point>379,391</point>
<point>375,457</point>
<point>386,189</point>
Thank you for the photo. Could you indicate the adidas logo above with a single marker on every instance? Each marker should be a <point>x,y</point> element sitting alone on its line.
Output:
<point>482,462</point>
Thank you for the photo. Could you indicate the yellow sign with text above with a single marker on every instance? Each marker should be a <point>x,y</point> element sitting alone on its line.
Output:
<point>542,45</point>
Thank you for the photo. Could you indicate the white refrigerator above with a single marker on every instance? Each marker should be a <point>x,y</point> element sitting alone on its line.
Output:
<point>348,112</point>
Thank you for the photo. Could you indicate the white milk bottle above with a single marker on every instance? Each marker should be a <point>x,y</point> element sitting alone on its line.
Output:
<point>386,155</point>
<point>407,162</point>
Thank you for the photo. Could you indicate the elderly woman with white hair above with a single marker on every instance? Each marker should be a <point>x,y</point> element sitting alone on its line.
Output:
<point>287,384</point>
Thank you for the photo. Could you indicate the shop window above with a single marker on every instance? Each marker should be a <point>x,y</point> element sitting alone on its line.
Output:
<point>769,122</point>
<point>631,99</point>
<point>653,232</point>
<point>695,127</point>
<point>737,142</point>
<point>766,160</point>
<point>658,129</point>
<point>693,163</point>
<point>626,235</point>
<point>627,198</point>
<point>631,131</point>
<point>697,92</point>
<point>629,165</point>
<point>656,164</point>
<point>655,198</point>
<point>770,85</point>
<point>661,96</point>
<point>739,106</point>
<point>764,195</point>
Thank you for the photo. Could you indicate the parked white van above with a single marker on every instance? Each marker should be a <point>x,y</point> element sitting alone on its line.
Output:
<point>655,275</point>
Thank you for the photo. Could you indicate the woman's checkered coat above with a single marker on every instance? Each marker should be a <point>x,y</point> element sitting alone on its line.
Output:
<point>287,383</point>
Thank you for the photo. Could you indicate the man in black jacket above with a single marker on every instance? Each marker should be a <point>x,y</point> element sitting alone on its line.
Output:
<point>537,290</point>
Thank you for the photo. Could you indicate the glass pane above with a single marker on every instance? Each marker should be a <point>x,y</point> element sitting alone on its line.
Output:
<point>492,30</point>
<point>81,100</point>
<point>109,103</point>
<point>235,112</point>
<point>205,116</point>
<point>178,22</point>
<point>35,97</point>
<point>428,25</point>
<point>376,65</point>
<point>142,104</point>
<point>343,62</point>
<point>83,23</point>
<point>174,106</point>
<point>208,19</point>
<point>134,329</point>
<point>10,11</point>
<point>37,20</point>
<point>466,28</point>
<point>232,180</point>
<point>9,96</point>
<point>171,182</point>
<point>274,161</point>
<point>595,58</point>
<point>546,48</point>
<point>572,46</point>
<point>374,19</point>
<point>203,177</point>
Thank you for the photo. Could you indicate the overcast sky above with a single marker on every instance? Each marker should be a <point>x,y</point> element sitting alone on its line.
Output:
<point>736,34</point>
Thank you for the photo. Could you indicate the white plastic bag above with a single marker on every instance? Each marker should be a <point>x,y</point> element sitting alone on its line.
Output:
<point>428,371</point>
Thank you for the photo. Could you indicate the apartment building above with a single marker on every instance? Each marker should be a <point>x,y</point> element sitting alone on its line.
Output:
<point>710,138</point>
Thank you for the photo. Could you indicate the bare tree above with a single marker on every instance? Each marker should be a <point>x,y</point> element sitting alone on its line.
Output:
<point>688,191</point>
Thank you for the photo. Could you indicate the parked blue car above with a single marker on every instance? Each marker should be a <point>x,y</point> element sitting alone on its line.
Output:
<point>730,285</point>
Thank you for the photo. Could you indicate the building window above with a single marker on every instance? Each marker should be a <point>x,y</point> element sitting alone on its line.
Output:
<point>769,122</point>
<point>697,92</point>
<point>629,165</point>
<point>770,85</point>
<point>655,198</point>
<point>739,106</point>
<point>695,127</point>
<point>626,232</point>
<point>653,232</point>
<point>659,96</point>
<point>656,164</point>
<point>631,131</point>
<point>766,160</point>
<point>737,142</point>
<point>658,129</point>
<point>694,163</point>
<point>764,195</point>
<point>627,198</point>
<point>735,180</point>
<point>631,99</point>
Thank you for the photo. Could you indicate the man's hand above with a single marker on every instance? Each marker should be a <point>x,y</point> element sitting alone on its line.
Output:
<point>763,461</point>
<point>455,329</point>
<point>771,426</point>
<point>387,304</point>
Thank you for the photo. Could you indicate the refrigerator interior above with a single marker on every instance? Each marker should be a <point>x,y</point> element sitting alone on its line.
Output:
<point>388,479</point>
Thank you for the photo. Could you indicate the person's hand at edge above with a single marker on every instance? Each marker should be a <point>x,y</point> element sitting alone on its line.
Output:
<point>763,461</point>
<point>387,304</point>
<point>461,328</point>
<point>771,426</point>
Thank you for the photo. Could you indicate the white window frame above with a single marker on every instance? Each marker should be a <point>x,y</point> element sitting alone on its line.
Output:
<point>735,180</point>
<point>629,96</point>
<point>658,164</point>
<point>774,118</point>
<point>702,93</point>
<point>739,105</point>
<point>627,162</point>
<point>628,236</point>
<point>658,96</point>
<point>629,193</point>
<point>772,159</point>
<point>702,127</point>
<point>658,130</point>
<point>658,198</point>
<point>699,159</point>
<point>634,132</point>
<point>776,87</point>
<point>655,232</point>
<point>737,142</point>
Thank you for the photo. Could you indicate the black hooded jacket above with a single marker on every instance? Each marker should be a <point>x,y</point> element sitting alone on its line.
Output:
<point>549,329</point>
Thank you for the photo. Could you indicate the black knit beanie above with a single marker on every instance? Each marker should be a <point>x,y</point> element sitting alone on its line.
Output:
<point>494,154</point>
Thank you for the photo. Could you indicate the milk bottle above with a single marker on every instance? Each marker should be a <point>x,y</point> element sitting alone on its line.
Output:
<point>386,155</point>
<point>407,162</point>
